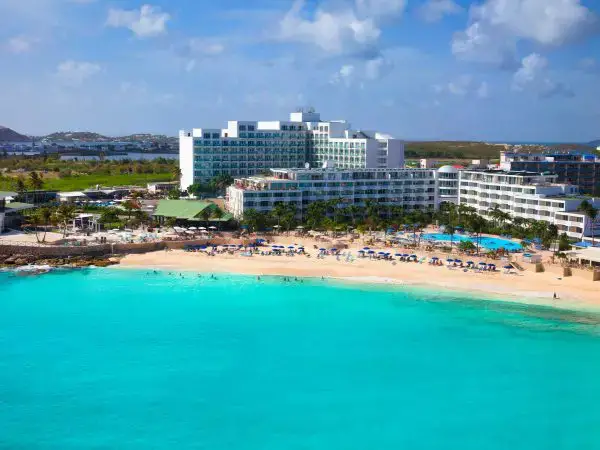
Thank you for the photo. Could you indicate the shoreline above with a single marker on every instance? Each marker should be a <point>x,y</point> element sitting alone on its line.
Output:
<point>525,288</point>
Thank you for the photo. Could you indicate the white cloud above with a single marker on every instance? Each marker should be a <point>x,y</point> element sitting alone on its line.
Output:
<point>461,85</point>
<point>149,21</point>
<point>435,10</point>
<point>205,47</point>
<point>496,26</point>
<point>531,67</point>
<point>20,44</point>
<point>377,68</point>
<point>74,73</point>
<point>533,75</point>
<point>483,91</point>
<point>380,8</point>
<point>343,76</point>
<point>338,31</point>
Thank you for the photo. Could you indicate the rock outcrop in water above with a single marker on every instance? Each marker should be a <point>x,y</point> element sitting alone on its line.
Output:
<point>74,261</point>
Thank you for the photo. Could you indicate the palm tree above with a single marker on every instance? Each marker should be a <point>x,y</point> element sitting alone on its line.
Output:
<point>315,213</point>
<point>42,217</point>
<point>278,211</point>
<point>255,220</point>
<point>19,184</point>
<point>451,230</point>
<point>592,214</point>
<point>176,173</point>
<point>217,214</point>
<point>64,214</point>
<point>205,214</point>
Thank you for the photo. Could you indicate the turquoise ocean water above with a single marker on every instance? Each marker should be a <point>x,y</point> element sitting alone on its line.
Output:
<point>116,359</point>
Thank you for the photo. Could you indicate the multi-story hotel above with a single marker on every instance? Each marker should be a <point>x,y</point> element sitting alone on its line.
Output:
<point>529,195</point>
<point>409,188</point>
<point>580,169</point>
<point>247,148</point>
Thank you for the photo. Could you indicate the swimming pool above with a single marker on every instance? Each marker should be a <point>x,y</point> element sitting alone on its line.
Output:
<point>490,243</point>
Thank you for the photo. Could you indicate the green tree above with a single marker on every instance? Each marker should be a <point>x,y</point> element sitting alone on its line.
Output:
<point>176,173</point>
<point>42,217</point>
<point>315,213</point>
<point>129,206</point>
<point>254,220</point>
<point>64,214</point>
<point>19,184</point>
<point>592,214</point>
<point>563,243</point>
<point>36,182</point>
<point>174,194</point>
<point>466,246</point>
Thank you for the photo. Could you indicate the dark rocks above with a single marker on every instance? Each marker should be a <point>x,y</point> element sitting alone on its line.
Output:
<point>75,261</point>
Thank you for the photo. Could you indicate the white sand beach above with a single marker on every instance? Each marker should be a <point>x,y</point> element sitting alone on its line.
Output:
<point>520,286</point>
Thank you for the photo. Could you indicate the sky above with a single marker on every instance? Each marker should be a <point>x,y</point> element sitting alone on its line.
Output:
<point>495,70</point>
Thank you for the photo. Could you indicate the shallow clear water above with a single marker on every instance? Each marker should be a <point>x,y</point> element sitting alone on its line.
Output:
<point>116,359</point>
<point>490,243</point>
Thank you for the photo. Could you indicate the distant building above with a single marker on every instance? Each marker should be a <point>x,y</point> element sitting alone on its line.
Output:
<point>528,195</point>
<point>580,169</point>
<point>162,187</point>
<point>247,148</point>
<point>426,163</point>
<point>11,212</point>
<point>409,188</point>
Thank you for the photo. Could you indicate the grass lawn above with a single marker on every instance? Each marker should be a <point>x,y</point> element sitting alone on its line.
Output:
<point>79,183</point>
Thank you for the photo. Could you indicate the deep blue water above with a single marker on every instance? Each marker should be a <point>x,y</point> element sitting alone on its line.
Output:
<point>116,359</point>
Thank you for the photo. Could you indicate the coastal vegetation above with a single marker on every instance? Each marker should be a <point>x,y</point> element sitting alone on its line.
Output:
<point>334,215</point>
<point>17,173</point>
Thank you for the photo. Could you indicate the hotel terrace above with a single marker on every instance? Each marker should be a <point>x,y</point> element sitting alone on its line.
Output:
<point>528,195</point>
<point>409,188</point>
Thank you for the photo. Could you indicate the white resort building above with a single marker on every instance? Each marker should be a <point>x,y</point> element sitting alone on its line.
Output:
<point>247,148</point>
<point>409,188</point>
<point>528,195</point>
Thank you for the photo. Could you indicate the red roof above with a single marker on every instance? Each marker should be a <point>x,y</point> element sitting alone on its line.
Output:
<point>458,166</point>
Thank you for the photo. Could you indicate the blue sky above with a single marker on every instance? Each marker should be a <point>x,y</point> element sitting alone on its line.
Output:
<point>502,70</point>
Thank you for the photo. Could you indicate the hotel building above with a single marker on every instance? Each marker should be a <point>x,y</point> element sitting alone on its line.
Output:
<point>528,195</point>
<point>247,148</point>
<point>580,169</point>
<point>409,188</point>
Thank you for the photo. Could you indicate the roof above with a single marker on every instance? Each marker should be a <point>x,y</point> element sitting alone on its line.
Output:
<point>7,194</point>
<point>448,169</point>
<point>589,254</point>
<point>181,209</point>
<point>18,206</point>
<point>71,194</point>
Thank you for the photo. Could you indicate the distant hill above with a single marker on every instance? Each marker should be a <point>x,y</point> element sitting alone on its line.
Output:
<point>8,135</point>
<point>89,136</point>
<point>594,143</point>
<point>76,136</point>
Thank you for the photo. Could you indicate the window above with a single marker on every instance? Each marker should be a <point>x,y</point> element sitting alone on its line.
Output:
<point>215,136</point>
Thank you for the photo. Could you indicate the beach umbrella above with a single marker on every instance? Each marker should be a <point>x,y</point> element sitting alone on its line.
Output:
<point>413,256</point>
<point>371,251</point>
<point>276,226</point>
<point>290,246</point>
<point>435,257</point>
<point>300,248</point>
<point>334,249</point>
<point>381,253</point>
<point>366,248</point>
<point>300,227</point>
<point>212,228</point>
<point>361,251</point>
<point>202,228</point>
<point>398,254</point>
<point>492,265</point>
<point>508,267</point>
<point>449,260</point>
<point>192,228</point>
<point>322,249</point>
<point>457,260</point>
<point>482,263</point>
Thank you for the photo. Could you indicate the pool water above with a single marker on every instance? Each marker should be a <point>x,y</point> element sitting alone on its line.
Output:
<point>487,242</point>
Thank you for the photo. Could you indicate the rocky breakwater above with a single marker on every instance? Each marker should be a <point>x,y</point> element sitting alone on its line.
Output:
<point>72,261</point>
